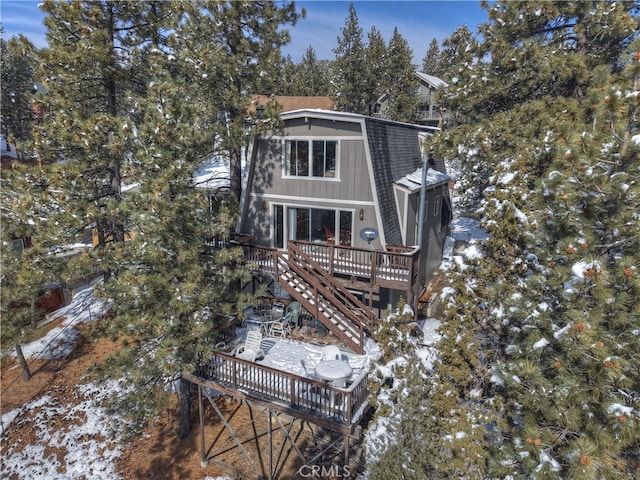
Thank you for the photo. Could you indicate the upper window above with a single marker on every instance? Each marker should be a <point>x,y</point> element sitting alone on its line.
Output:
<point>315,158</point>
<point>297,158</point>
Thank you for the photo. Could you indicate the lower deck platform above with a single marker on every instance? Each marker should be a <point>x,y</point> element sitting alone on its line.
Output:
<point>292,404</point>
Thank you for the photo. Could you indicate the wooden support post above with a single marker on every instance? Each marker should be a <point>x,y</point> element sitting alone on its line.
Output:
<point>270,441</point>
<point>203,455</point>
<point>346,450</point>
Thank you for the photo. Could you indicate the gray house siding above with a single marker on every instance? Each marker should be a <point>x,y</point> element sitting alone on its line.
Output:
<point>266,186</point>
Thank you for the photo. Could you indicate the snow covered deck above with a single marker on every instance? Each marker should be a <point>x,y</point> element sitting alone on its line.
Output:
<point>280,382</point>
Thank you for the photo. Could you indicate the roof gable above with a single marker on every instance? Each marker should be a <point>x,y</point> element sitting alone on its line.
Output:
<point>432,80</point>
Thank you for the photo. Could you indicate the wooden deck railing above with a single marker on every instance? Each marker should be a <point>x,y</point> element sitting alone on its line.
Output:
<point>395,268</point>
<point>220,241</point>
<point>343,406</point>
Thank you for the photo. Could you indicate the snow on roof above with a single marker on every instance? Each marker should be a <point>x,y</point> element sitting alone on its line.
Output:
<point>213,175</point>
<point>435,81</point>
<point>413,181</point>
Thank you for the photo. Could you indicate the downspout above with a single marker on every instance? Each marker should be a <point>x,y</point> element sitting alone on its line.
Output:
<point>421,215</point>
<point>423,197</point>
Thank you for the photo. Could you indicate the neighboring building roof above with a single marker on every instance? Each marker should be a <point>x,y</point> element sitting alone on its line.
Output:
<point>213,175</point>
<point>290,103</point>
<point>432,80</point>
<point>6,149</point>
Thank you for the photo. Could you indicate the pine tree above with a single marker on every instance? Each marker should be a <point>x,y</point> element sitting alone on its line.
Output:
<point>288,73</point>
<point>402,82</point>
<point>17,64</point>
<point>235,49</point>
<point>433,60</point>
<point>28,267</point>
<point>377,59</point>
<point>311,77</point>
<point>457,51</point>
<point>125,104</point>
<point>574,371</point>
<point>350,68</point>
<point>549,106</point>
<point>400,389</point>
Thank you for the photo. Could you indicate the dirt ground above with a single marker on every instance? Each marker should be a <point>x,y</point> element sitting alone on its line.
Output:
<point>159,454</point>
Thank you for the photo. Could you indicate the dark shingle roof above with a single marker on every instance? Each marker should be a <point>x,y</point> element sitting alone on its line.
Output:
<point>395,153</point>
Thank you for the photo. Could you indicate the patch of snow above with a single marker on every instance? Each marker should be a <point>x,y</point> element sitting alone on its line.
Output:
<point>546,458</point>
<point>84,449</point>
<point>59,342</point>
<point>619,409</point>
<point>543,342</point>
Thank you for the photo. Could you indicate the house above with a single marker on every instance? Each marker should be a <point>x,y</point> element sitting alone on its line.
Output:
<point>343,214</point>
<point>343,191</point>
<point>430,112</point>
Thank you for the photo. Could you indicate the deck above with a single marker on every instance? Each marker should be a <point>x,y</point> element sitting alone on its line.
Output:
<point>339,409</point>
<point>395,268</point>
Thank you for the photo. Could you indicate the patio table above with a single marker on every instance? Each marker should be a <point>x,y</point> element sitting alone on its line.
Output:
<point>334,371</point>
<point>262,320</point>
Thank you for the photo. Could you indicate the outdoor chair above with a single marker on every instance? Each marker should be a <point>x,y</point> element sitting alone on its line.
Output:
<point>329,235</point>
<point>308,373</point>
<point>280,328</point>
<point>294,310</point>
<point>331,352</point>
<point>252,348</point>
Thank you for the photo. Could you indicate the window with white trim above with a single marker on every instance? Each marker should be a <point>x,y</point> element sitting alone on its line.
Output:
<point>316,158</point>
<point>296,158</point>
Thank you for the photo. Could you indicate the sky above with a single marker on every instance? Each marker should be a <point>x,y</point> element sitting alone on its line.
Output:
<point>418,21</point>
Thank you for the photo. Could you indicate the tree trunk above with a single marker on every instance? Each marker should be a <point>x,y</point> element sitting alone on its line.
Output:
<point>185,408</point>
<point>23,363</point>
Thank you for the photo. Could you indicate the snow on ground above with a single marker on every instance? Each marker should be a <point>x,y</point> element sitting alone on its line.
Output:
<point>468,229</point>
<point>85,450</point>
<point>59,341</point>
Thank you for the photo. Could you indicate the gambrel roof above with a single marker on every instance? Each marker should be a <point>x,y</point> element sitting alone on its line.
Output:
<point>394,155</point>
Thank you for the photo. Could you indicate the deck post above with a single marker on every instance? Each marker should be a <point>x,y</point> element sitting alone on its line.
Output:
<point>203,455</point>
<point>346,451</point>
<point>270,441</point>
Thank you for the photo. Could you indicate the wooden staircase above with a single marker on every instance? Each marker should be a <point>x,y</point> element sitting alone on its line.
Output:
<point>318,293</point>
